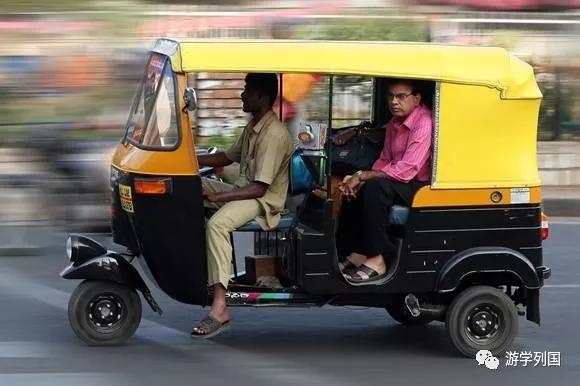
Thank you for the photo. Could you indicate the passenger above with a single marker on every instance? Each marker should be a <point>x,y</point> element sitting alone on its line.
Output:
<point>263,150</point>
<point>403,167</point>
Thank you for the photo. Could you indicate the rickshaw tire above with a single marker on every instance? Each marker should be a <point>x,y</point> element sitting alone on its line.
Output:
<point>465,303</point>
<point>80,318</point>
<point>401,315</point>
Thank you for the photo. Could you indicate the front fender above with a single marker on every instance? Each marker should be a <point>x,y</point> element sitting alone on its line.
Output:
<point>111,267</point>
<point>487,260</point>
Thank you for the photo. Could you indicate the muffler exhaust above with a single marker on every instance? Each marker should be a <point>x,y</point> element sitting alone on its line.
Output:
<point>430,311</point>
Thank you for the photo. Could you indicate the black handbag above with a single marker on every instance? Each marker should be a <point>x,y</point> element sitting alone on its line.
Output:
<point>356,148</point>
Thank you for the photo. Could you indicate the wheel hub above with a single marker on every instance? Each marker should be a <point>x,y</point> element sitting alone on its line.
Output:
<point>105,311</point>
<point>483,322</point>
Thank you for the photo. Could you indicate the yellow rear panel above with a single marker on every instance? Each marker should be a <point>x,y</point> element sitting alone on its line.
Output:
<point>484,141</point>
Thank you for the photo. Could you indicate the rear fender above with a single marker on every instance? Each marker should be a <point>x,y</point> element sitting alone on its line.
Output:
<point>486,260</point>
<point>495,262</point>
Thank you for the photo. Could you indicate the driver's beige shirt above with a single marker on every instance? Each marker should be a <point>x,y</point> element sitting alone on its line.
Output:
<point>264,150</point>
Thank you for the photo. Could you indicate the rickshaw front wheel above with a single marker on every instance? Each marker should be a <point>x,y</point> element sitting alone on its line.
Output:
<point>482,318</point>
<point>103,313</point>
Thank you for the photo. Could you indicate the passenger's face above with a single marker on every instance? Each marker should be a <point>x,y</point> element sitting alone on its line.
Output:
<point>401,100</point>
<point>252,100</point>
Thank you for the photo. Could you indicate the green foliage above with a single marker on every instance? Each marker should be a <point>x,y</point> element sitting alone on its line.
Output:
<point>41,5</point>
<point>371,30</point>
<point>222,142</point>
<point>506,39</point>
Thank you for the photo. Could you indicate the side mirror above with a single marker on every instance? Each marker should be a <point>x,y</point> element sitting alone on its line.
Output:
<point>190,99</point>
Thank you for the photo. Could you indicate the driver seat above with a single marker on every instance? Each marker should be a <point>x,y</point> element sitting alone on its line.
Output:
<point>301,181</point>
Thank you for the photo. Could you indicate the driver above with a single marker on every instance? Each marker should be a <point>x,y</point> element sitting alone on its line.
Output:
<point>263,150</point>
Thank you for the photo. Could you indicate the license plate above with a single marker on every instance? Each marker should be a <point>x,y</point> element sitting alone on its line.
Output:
<point>126,198</point>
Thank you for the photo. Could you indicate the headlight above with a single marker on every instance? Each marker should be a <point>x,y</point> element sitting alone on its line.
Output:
<point>114,176</point>
<point>81,249</point>
<point>69,248</point>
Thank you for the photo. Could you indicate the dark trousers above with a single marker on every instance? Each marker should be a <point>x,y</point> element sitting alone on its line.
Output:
<point>364,221</point>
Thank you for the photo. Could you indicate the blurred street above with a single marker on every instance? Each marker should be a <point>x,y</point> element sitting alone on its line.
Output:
<point>286,347</point>
<point>27,227</point>
<point>68,73</point>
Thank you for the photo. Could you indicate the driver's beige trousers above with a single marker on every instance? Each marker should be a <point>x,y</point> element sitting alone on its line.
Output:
<point>229,217</point>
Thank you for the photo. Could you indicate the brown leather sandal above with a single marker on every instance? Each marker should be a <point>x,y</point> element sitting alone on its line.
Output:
<point>209,327</point>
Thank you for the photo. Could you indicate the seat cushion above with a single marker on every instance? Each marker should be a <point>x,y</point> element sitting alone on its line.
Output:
<point>252,226</point>
<point>398,215</point>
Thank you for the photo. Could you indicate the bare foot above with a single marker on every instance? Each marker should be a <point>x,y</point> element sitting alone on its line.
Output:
<point>220,316</point>
<point>356,258</point>
<point>219,310</point>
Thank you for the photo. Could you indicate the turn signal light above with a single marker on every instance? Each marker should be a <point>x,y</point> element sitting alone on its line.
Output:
<point>545,229</point>
<point>152,186</point>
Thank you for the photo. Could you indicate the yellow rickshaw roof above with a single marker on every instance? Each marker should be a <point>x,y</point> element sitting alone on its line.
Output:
<point>488,66</point>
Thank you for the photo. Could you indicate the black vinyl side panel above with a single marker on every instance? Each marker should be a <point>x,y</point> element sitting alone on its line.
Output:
<point>170,229</point>
<point>438,233</point>
<point>432,238</point>
<point>121,228</point>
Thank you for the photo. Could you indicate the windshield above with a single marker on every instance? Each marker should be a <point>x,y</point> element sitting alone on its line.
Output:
<point>152,121</point>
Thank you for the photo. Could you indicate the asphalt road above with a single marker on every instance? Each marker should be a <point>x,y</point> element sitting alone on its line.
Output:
<point>285,347</point>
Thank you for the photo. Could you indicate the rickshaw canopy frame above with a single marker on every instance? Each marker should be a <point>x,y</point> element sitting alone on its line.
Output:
<point>486,66</point>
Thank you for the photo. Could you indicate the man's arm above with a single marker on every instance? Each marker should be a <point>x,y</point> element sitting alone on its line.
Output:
<point>248,192</point>
<point>223,158</point>
<point>369,175</point>
<point>215,160</point>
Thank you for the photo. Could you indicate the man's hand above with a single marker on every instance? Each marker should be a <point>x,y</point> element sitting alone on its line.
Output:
<point>350,185</point>
<point>210,196</point>
<point>214,160</point>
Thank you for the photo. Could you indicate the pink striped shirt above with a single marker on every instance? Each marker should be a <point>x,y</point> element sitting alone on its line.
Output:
<point>406,154</point>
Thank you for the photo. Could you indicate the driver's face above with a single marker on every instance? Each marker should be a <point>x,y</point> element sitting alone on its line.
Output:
<point>251,99</point>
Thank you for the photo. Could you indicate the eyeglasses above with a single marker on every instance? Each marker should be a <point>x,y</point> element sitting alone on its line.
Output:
<point>399,97</point>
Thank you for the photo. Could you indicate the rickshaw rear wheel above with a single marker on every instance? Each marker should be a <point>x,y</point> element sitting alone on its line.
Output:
<point>401,314</point>
<point>103,313</point>
<point>482,318</point>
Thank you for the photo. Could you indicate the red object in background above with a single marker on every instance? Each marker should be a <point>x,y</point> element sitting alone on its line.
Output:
<point>508,5</point>
<point>43,27</point>
<point>184,25</point>
<point>288,110</point>
<point>294,88</point>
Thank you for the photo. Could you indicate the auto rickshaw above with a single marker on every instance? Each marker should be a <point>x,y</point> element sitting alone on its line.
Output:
<point>470,246</point>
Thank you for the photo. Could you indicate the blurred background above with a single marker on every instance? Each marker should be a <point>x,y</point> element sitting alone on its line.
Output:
<point>69,68</point>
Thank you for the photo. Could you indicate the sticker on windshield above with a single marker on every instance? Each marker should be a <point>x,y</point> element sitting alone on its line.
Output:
<point>126,198</point>
<point>520,196</point>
